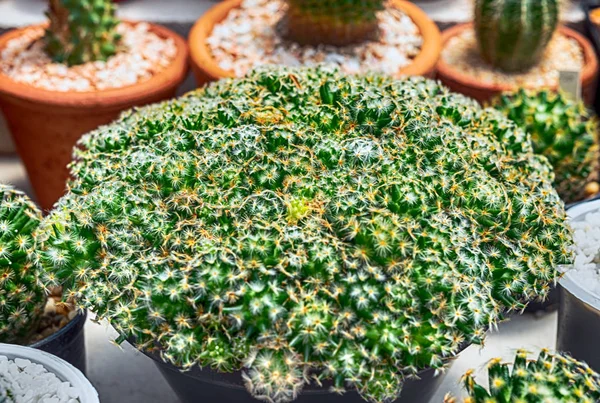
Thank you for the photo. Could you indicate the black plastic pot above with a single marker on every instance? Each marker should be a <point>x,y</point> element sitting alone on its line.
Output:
<point>68,343</point>
<point>208,386</point>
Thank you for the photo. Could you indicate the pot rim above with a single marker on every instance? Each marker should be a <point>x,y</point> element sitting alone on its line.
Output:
<point>423,64</point>
<point>449,73</point>
<point>80,317</point>
<point>59,367</point>
<point>110,99</point>
<point>568,280</point>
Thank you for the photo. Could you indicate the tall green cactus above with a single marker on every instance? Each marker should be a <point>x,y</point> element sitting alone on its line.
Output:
<point>332,22</point>
<point>550,378</point>
<point>513,34</point>
<point>22,298</point>
<point>81,31</point>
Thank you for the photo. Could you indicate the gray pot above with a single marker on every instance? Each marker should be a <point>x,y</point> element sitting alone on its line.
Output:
<point>579,310</point>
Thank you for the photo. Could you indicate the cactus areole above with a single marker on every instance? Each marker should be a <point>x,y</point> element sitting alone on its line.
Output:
<point>22,298</point>
<point>549,378</point>
<point>81,31</point>
<point>303,225</point>
<point>513,34</point>
<point>331,22</point>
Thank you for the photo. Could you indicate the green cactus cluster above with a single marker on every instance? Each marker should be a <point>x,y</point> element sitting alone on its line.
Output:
<point>81,31</point>
<point>565,132</point>
<point>305,226</point>
<point>22,297</point>
<point>550,378</point>
<point>332,22</point>
<point>514,34</point>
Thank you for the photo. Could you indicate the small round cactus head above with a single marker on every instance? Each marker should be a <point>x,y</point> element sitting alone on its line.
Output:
<point>22,298</point>
<point>562,130</point>
<point>303,225</point>
<point>331,22</point>
<point>81,31</point>
<point>550,378</point>
<point>513,34</point>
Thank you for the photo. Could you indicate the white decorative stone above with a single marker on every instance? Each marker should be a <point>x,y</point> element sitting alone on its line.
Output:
<point>145,54</point>
<point>248,38</point>
<point>22,381</point>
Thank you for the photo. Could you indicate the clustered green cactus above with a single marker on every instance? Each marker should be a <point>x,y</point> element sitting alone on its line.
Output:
<point>550,378</point>
<point>304,225</point>
<point>81,31</point>
<point>513,34</point>
<point>22,297</point>
<point>562,130</point>
<point>332,22</point>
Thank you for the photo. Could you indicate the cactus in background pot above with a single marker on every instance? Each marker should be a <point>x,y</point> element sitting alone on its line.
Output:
<point>562,130</point>
<point>333,22</point>
<point>550,378</point>
<point>304,226</point>
<point>22,297</point>
<point>81,31</point>
<point>513,34</point>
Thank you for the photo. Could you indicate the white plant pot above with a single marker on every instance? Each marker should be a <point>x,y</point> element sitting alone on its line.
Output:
<point>62,369</point>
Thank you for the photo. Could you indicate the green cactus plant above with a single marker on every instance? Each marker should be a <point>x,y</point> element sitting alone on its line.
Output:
<point>81,31</point>
<point>550,378</point>
<point>562,130</point>
<point>513,34</point>
<point>22,297</point>
<point>303,225</point>
<point>333,22</point>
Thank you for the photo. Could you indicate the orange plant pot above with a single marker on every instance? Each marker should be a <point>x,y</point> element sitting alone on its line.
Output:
<point>465,84</point>
<point>45,125</point>
<point>206,69</point>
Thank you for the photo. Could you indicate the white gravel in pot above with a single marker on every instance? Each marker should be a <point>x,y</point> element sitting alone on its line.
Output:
<point>586,268</point>
<point>26,382</point>
<point>248,38</point>
<point>144,54</point>
<point>563,53</point>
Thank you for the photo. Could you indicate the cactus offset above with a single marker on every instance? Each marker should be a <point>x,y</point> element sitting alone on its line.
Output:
<point>550,378</point>
<point>22,298</point>
<point>81,31</point>
<point>513,34</point>
<point>562,130</point>
<point>308,225</point>
<point>333,22</point>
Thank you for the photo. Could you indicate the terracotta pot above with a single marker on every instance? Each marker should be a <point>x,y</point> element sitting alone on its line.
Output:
<point>206,68</point>
<point>465,84</point>
<point>45,125</point>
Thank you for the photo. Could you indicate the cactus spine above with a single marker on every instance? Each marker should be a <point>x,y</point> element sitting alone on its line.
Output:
<point>81,31</point>
<point>331,22</point>
<point>562,130</point>
<point>22,298</point>
<point>513,34</point>
<point>550,378</point>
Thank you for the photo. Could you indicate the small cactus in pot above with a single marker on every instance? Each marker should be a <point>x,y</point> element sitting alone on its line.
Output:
<point>562,130</point>
<point>22,297</point>
<point>549,378</point>
<point>332,22</point>
<point>306,226</point>
<point>513,34</point>
<point>81,31</point>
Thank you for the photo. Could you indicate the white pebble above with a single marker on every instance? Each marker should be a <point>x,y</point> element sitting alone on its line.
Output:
<point>28,382</point>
